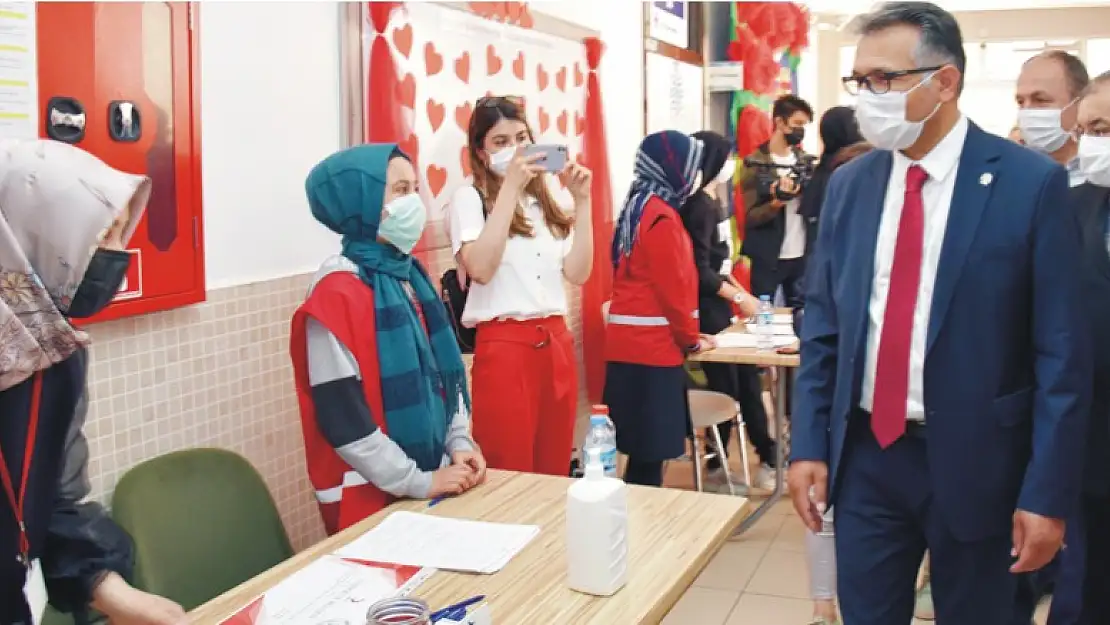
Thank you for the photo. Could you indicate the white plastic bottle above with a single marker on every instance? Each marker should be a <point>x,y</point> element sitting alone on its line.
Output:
<point>602,435</point>
<point>764,324</point>
<point>597,531</point>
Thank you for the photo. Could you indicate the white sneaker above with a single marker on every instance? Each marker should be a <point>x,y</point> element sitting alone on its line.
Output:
<point>766,477</point>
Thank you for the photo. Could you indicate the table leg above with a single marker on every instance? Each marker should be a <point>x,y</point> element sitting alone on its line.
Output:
<point>780,456</point>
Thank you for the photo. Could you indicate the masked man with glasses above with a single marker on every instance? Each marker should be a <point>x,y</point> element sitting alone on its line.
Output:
<point>1047,93</point>
<point>942,399</point>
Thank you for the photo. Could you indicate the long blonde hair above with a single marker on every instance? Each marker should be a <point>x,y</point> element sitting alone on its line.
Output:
<point>486,114</point>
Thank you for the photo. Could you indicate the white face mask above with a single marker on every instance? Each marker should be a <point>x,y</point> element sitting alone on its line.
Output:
<point>882,118</point>
<point>727,171</point>
<point>499,160</point>
<point>1094,160</point>
<point>1041,129</point>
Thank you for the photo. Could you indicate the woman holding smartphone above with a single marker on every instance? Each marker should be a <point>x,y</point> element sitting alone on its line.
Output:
<point>517,246</point>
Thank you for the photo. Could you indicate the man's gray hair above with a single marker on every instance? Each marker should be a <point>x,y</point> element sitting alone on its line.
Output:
<point>941,41</point>
<point>1097,83</point>
<point>1075,72</point>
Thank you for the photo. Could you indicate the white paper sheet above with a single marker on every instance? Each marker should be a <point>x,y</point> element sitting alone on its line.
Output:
<point>745,339</point>
<point>330,590</point>
<point>19,90</point>
<point>441,543</point>
<point>778,329</point>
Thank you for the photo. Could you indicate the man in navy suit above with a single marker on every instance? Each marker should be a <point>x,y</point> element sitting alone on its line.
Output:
<point>946,369</point>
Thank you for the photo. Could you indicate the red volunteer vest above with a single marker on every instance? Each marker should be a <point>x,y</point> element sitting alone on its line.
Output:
<point>343,304</point>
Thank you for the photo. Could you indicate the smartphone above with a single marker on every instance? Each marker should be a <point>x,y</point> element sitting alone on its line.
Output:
<point>553,157</point>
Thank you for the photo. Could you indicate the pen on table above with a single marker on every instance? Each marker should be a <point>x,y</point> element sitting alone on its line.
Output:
<point>435,501</point>
<point>458,609</point>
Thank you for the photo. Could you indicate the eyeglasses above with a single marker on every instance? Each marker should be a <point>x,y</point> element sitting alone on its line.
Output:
<point>498,100</point>
<point>880,82</point>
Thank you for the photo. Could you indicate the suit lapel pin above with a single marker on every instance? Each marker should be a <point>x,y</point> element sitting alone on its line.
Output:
<point>985,179</point>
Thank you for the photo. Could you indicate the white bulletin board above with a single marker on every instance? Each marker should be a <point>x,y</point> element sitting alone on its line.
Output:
<point>675,94</point>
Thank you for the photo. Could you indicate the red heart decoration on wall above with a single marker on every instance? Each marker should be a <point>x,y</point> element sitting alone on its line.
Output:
<point>462,67</point>
<point>436,113</point>
<point>411,147</point>
<point>513,11</point>
<point>578,76</point>
<point>561,123</point>
<point>437,177</point>
<point>542,77</point>
<point>433,61</point>
<point>579,124</point>
<point>561,79</point>
<point>406,91</point>
<point>462,116</point>
<point>493,62</point>
<point>464,161</point>
<point>544,119</point>
<point>525,18</point>
<point>402,38</point>
<point>518,66</point>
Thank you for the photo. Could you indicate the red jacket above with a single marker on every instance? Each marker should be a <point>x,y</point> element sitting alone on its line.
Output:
<point>343,304</point>
<point>653,316</point>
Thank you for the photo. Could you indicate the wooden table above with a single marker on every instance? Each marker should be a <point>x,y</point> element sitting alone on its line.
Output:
<point>673,535</point>
<point>785,363</point>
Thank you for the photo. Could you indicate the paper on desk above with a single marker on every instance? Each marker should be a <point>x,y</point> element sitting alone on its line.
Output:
<point>777,329</point>
<point>441,543</point>
<point>747,339</point>
<point>778,319</point>
<point>330,589</point>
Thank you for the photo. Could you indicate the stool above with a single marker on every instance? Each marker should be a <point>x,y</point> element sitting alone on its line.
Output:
<point>707,410</point>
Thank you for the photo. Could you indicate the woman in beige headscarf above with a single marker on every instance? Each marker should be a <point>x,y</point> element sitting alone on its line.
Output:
<point>64,219</point>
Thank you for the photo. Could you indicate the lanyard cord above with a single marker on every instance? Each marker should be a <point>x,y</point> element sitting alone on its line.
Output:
<point>28,453</point>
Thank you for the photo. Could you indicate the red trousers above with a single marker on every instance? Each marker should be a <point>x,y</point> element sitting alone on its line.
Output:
<point>525,395</point>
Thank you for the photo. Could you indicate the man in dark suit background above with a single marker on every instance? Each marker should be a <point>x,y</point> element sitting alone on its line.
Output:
<point>1091,201</point>
<point>945,376</point>
<point>775,229</point>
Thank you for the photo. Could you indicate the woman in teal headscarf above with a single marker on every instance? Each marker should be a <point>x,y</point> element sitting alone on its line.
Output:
<point>380,380</point>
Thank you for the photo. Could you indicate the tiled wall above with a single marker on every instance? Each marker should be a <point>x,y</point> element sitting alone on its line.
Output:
<point>212,375</point>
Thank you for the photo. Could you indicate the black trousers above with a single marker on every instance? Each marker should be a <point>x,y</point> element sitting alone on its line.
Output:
<point>649,473</point>
<point>789,274</point>
<point>741,382</point>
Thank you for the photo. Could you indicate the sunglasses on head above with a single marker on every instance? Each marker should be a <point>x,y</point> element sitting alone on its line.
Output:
<point>498,100</point>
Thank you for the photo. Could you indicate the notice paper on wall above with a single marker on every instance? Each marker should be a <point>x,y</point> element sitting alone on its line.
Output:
<point>441,543</point>
<point>19,90</point>
<point>330,590</point>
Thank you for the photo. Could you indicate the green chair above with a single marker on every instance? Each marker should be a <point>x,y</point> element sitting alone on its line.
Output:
<point>203,522</point>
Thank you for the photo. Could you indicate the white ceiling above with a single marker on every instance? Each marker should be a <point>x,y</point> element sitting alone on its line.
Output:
<point>850,7</point>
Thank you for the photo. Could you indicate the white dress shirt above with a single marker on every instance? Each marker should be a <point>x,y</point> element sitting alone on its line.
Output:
<point>528,284</point>
<point>941,165</point>
<point>794,235</point>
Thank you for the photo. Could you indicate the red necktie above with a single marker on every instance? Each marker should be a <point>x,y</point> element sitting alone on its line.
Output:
<point>892,372</point>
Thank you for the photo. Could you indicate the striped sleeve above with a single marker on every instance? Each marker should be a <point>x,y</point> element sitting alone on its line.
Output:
<point>344,419</point>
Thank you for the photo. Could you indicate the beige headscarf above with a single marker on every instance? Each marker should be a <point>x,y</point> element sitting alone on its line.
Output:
<point>56,204</point>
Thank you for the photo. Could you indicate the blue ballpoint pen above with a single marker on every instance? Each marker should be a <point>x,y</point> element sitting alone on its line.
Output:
<point>458,610</point>
<point>435,501</point>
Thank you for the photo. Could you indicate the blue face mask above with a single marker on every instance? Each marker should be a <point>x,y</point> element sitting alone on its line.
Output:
<point>404,222</point>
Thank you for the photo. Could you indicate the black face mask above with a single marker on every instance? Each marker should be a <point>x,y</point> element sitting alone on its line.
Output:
<point>795,136</point>
<point>102,280</point>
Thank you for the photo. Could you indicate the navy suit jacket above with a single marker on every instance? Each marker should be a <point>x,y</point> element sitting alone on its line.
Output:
<point>1008,359</point>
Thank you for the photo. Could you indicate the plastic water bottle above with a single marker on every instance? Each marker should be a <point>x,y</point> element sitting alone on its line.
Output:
<point>765,324</point>
<point>602,436</point>
<point>597,531</point>
<point>821,549</point>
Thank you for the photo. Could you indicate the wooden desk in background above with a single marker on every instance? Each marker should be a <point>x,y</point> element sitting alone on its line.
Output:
<point>673,535</point>
<point>785,363</point>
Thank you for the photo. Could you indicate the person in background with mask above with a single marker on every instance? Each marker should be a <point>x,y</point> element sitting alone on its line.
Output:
<point>944,388</point>
<point>775,231</point>
<point>517,245</point>
<point>380,380</point>
<point>1047,91</point>
<point>653,315</point>
<point>1083,581</point>
<point>702,215</point>
<point>65,218</point>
